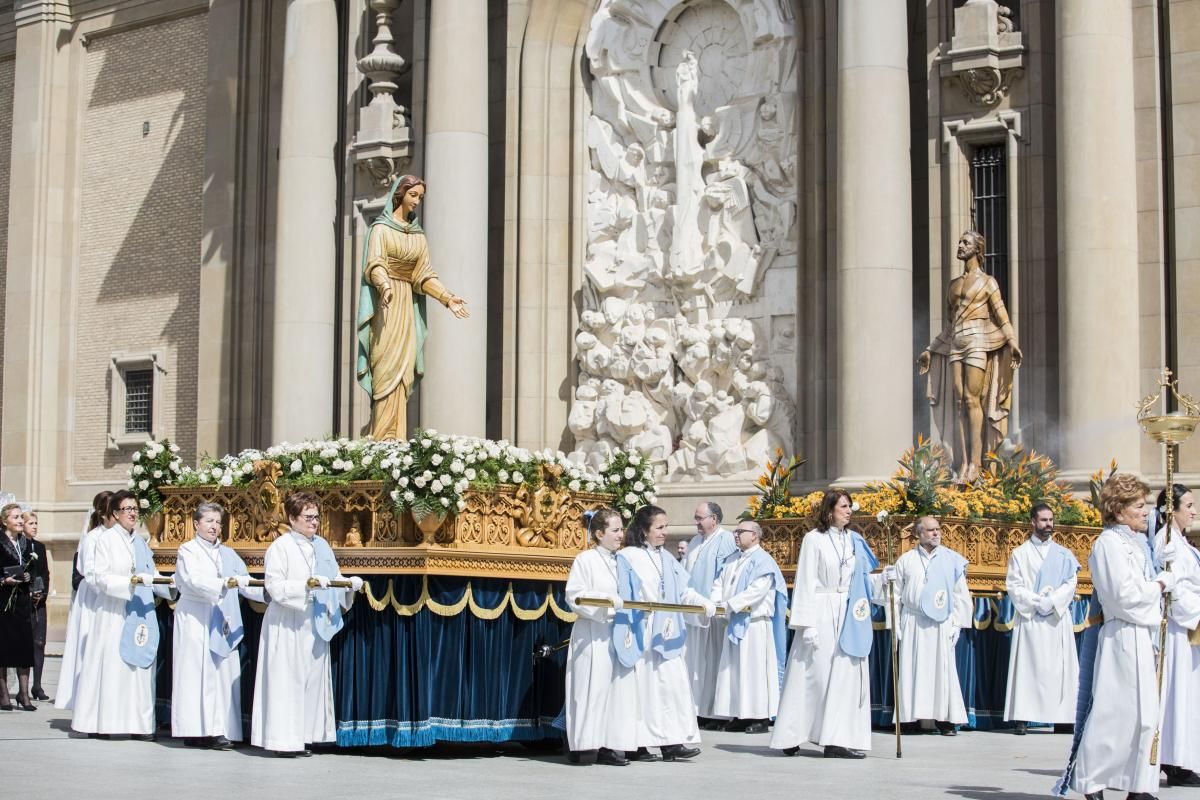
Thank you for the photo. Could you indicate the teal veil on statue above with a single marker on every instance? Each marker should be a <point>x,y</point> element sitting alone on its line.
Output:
<point>367,300</point>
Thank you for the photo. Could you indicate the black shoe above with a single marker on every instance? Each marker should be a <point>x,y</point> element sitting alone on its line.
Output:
<point>305,753</point>
<point>1140,796</point>
<point>611,758</point>
<point>791,751</point>
<point>220,743</point>
<point>574,756</point>
<point>1019,728</point>
<point>1179,776</point>
<point>947,729</point>
<point>144,737</point>
<point>757,726</point>
<point>1094,795</point>
<point>28,707</point>
<point>195,741</point>
<point>642,754</point>
<point>679,752</point>
<point>104,736</point>
<point>7,707</point>
<point>708,724</point>
<point>284,753</point>
<point>834,751</point>
<point>38,694</point>
<point>737,725</point>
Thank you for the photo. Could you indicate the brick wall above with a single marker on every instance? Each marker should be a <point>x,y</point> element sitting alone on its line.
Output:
<point>139,260</point>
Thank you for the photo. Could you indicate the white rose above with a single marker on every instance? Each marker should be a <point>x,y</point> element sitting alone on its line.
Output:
<point>137,456</point>
<point>518,477</point>
<point>402,482</point>
<point>445,479</point>
<point>216,472</point>
<point>144,503</point>
<point>143,485</point>
<point>854,507</point>
<point>297,465</point>
<point>502,476</point>
<point>457,466</point>
<point>425,443</point>
<point>202,476</point>
<point>366,460</point>
<point>630,498</point>
<point>337,464</point>
<point>427,475</point>
<point>247,468</point>
<point>436,459</point>
<point>639,486</point>
<point>574,486</point>
<point>318,469</point>
<point>435,487</point>
<point>470,474</point>
<point>137,470</point>
<point>409,497</point>
<point>651,497</point>
<point>630,473</point>
<point>589,487</point>
<point>396,474</point>
<point>627,514</point>
<point>394,494</point>
<point>461,505</point>
<point>174,448</point>
<point>614,479</point>
<point>882,516</point>
<point>419,482</point>
<point>445,502</point>
<point>408,461</point>
<point>227,480</point>
<point>157,474</point>
<point>132,484</point>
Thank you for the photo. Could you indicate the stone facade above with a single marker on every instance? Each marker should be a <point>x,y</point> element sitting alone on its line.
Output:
<point>751,259</point>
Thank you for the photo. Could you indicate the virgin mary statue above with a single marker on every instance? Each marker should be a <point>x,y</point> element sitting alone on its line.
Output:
<point>391,325</point>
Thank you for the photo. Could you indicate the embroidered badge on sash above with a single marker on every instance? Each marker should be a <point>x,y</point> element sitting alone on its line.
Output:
<point>141,635</point>
<point>628,639</point>
<point>939,599</point>
<point>225,627</point>
<point>669,627</point>
<point>862,609</point>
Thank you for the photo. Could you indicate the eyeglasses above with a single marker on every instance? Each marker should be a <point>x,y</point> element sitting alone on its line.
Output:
<point>128,509</point>
<point>702,518</point>
<point>740,531</point>
<point>310,517</point>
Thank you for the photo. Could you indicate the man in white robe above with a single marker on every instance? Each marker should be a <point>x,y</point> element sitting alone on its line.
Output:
<point>826,692</point>
<point>206,668</point>
<point>1114,745</point>
<point>706,553</point>
<point>754,593</point>
<point>113,696</point>
<point>1043,665</point>
<point>934,605</point>
<point>293,690</point>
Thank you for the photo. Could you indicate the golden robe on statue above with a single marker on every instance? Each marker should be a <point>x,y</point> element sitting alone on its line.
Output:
<point>391,335</point>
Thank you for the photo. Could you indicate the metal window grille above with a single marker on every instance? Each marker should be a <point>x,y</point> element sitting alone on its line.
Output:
<point>989,203</point>
<point>139,400</point>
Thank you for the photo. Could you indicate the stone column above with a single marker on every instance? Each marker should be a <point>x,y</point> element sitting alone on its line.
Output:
<point>455,214</point>
<point>874,238</point>
<point>1097,236</point>
<point>302,367</point>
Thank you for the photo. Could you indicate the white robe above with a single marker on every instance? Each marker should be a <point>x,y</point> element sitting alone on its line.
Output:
<point>110,695</point>
<point>826,693</point>
<point>593,721</point>
<point>206,692</point>
<point>1180,741</point>
<point>658,687</point>
<point>1043,665</point>
<point>704,641</point>
<point>293,689</point>
<point>747,678</point>
<point>928,673</point>
<point>1114,749</point>
<point>79,624</point>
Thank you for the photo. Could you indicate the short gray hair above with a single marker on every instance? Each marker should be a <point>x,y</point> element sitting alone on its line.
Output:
<point>919,525</point>
<point>715,510</point>
<point>207,508</point>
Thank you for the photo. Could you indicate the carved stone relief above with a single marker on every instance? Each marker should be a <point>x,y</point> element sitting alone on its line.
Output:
<point>691,227</point>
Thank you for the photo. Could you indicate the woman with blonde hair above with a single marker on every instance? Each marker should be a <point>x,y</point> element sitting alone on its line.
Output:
<point>16,624</point>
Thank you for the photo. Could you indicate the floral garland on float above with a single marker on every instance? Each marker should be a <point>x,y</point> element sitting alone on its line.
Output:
<point>983,520</point>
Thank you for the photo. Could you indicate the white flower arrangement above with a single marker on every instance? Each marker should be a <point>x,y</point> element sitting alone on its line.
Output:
<point>630,478</point>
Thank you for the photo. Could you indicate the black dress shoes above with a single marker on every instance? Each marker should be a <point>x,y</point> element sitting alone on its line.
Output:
<point>1140,796</point>
<point>708,724</point>
<point>284,753</point>
<point>947,729</point>
<point>611,758</point>
<point>737,725</point>
<point>642,754</point>
<point>757,726</point>
<point>791,751</point>
<point>1094,796</point>
<point>195,741</point>
<point>38,694</point>
<point>220,743</point>
<point>1019,728</point>
<point>574,756</point>
<point>144,737</point>
<point>1180,776</point>
<point>104,736</point>
<point>834,751</point>
<point>678,752</point>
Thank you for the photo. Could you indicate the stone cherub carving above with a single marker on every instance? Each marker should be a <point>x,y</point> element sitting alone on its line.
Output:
<point>970,364</point>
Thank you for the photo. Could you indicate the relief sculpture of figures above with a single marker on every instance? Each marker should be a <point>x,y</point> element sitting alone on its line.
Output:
<point>391,330</point>
<point>970,364</point>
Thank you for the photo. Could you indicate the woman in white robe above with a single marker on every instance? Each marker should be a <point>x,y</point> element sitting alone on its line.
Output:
<point>1179,749</point>
<point>826,692</point>
<point>112,696</point>
<point>83,602</point>
<point>1114,747</point>
<point>293,689</point>
<point>591,663</point>
<point>661,685</point>
<point>206,687</point>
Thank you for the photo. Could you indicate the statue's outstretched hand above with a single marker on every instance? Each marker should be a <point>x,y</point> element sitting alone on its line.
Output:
<point>923,362</point>
<point>385,296</point>
<point>458,307</point>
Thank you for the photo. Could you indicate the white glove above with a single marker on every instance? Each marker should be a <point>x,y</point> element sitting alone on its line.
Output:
<point>890,574</point>
<point>243,581</point>
<point>710,609</point>
<point>1167,579</point>
<point>1170,550</point>
<point>1044,604</point>
<point>322,581</point>
<point>356,583</point>
<point>617,602</point>
<point>954,632</point>
<point>146,579</point>
<point>811,637</point>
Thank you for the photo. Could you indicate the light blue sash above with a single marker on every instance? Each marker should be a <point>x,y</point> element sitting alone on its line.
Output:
<point>711,561</point>
<point>937,598</point>
<point>761,564</point>
<point>667,634</point>
<point>326,603</point>
<point>857,630</point>
<point>139,636</point>
<point>1058,568</point>
<point>225,630</point>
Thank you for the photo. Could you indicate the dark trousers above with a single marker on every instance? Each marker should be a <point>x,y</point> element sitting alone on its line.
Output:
<point>39,644</point>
